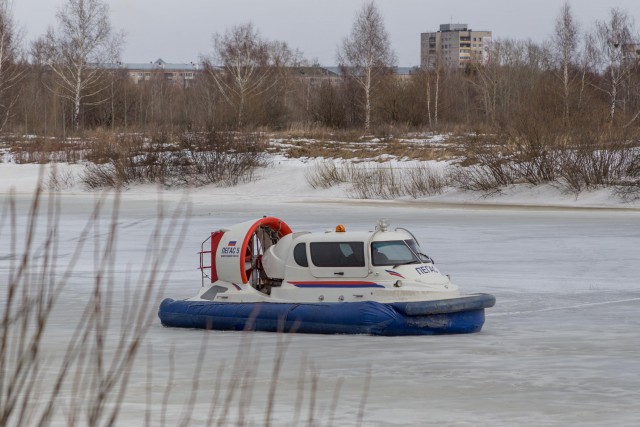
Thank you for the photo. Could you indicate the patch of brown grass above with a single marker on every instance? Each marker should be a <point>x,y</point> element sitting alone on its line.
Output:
<point>370,148</point>
<point>43,150</point>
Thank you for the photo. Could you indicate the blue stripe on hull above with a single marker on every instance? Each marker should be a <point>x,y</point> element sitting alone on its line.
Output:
<point>366,317</point>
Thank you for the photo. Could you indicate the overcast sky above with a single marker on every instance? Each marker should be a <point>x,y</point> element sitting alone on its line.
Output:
<point>181,31</point>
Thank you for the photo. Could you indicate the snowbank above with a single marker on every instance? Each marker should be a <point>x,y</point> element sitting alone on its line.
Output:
<point>284,181</point>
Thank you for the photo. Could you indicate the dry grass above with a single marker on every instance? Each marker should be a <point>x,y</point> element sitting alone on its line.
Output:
<point>101,147</point>
<point>91,384</point>
<point>43,150</point>
<point>93,378</point>
<point>409,147</point>
<point>318,132</point>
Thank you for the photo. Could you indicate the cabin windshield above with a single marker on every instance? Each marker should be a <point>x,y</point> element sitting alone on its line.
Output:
<point>396,252</point>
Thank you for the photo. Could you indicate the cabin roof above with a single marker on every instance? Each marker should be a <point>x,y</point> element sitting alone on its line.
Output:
<point>353,236</point>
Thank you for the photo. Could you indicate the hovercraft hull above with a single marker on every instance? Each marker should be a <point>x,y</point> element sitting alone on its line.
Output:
<point>451,316</point>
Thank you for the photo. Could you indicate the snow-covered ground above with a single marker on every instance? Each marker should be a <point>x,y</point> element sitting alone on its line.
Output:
<point>560,348</point>
<point>284,181</point>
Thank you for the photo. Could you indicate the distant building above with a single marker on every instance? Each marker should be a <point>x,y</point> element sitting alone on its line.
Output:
<point>455,45</point>
<point>631,52</point>
<point>180,74</point>
<point>185,74</point>
<point>400,72</point>
<point>315,75</point>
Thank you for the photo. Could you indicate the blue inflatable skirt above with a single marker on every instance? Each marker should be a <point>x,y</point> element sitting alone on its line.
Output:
<point>453,316</point>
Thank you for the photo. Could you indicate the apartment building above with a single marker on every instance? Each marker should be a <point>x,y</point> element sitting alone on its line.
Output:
<point>455,45</point>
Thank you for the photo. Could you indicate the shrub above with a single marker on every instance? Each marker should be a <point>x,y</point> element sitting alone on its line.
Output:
<point>376,182</point>
<point>59,178</point>
<point>424,180</point>
<point>380,181</point>
<point>577,162</point>
<point>325,174</point>
<point>196,159</point>
<point>222,157</point>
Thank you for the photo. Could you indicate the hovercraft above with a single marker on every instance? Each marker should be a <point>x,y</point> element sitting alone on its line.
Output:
<point>259,275</point>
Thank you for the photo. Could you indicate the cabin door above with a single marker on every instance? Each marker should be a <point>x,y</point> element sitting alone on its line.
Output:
<point>338,260</point>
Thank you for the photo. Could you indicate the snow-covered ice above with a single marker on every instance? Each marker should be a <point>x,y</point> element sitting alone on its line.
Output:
<point>560,348</point>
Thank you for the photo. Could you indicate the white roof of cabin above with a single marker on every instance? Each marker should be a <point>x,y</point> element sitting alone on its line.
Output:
<point>353,236</point>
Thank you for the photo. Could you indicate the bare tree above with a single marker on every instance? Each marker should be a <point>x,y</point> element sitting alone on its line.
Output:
<point>283,59</point>
<point>565,43</point>
<point>587,60</point>
<point>11,73</point>
<point>505,83</point>
<point>80,51</point>
<point>366,54</point>
<point>612,38</point>
<point>244,65</point>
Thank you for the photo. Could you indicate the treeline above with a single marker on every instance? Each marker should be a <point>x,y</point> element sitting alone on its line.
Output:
<point>578,81</point>
<point>518,92</point>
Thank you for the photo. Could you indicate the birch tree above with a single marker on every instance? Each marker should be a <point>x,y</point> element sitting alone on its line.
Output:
<point>612,37</point>
<point>565,43</point>
<point>437,71</point>
<point>587,60</point>
<point>80,51</point>
<point>366,54</point>
<point>11,73</point>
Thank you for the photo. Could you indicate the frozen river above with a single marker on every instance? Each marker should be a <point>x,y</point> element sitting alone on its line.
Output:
<point>560,348</point>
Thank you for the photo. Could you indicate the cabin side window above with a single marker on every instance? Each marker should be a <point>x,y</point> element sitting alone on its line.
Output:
<point>300,255</point>
<point>337,254</point>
